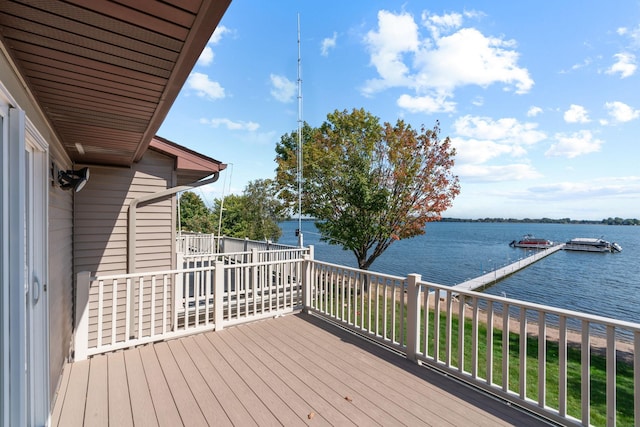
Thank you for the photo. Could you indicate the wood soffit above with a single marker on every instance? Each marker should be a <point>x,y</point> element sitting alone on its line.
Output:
<point>105,73</point>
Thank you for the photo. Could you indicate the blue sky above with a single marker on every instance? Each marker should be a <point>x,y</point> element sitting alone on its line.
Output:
<point>542,102</point>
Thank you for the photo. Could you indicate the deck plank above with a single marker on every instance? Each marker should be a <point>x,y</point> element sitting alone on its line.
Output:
<point>76,397</point>
<point>256,408</point>
<point>166,411</point>
<point>60,395</point>
<point>270,372</point>
<point>232,404</point>
<point>190,412</point>
<point>454,401</point>
<point>97,406</point>
<point>272,400</point>
<point>387,405</point>
<point>142,409</point>
<point>119,399</point>
<point>282,388</point>
<point>209,405</point>
<point>307,391</point>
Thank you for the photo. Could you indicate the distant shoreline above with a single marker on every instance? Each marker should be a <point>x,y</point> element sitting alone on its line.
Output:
<point>605,221</point>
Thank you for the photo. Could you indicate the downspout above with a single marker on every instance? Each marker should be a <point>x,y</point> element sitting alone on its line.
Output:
<point>131,239</point>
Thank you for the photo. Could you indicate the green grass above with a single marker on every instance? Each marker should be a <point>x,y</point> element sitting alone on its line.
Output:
<point>348,303</point>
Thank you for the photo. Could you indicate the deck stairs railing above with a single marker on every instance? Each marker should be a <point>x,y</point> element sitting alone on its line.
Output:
<point>519,351</point>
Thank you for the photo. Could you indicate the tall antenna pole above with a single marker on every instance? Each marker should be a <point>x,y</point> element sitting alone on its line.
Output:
<point>299,171</point>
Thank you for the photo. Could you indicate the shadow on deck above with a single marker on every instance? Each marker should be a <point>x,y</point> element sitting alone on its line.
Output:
<point>291,370</point>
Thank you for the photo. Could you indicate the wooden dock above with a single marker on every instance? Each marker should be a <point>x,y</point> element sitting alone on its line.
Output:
<point>491,278</point>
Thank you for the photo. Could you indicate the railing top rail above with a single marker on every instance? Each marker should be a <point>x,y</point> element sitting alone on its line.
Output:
<point>190,270</point>
<point>537,307</point>
<point>357,270</point>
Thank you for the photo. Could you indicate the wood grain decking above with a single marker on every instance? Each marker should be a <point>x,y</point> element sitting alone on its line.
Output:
<point>292,370</point>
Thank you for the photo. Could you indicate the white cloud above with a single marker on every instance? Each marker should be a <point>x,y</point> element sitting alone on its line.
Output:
<point>601,187</point>
<point>426,104</point>
<point>576,114</point>
<point>206,57</point>
<point>500,173</point>
<point>282,89</point>
<point>218,33</point>
<point>621,112</point>
<point>574,144</point>
<point>534,111</point>
<point>475,151</point>
<point>633,34</point>
<point>505,130</point>
<point>328,43</point>
<point>435,65</point>
<point>231,125</point>
<point>205,87</point>
<point>625,65</point>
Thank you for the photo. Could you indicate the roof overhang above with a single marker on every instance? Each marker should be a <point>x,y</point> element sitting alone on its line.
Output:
<point>106,73</point>
<point>189,165</point>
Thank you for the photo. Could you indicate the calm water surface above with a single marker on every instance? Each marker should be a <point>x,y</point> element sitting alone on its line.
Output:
<point>449,253</point>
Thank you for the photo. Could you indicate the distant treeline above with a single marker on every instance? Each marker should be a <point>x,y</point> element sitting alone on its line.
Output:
<point>604,221</point>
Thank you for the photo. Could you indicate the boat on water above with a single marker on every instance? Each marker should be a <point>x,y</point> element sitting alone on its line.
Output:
<point>528,241</point>
<point>589,244</point>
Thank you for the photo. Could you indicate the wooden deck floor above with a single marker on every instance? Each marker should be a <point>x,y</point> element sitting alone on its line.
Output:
<point>292,370</point>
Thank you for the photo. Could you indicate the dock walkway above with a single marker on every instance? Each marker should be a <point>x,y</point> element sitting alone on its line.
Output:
<point>492,277</point>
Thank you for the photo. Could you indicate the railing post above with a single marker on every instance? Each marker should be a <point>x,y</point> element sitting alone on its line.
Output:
<point>413,316</point>
<point>81,336</point>
<point>218,294</point>
<point>306,282</point>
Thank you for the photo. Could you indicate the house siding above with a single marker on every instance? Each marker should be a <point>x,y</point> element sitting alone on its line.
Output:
<point>101,230</point>
<point>60,286</point>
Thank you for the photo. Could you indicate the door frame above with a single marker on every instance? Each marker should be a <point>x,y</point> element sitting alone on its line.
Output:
<point>24,398</point>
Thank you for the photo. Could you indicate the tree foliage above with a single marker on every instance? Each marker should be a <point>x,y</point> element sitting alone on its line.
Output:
<point>368,184</point>
<point>195,216</point>
<point>253,214</point>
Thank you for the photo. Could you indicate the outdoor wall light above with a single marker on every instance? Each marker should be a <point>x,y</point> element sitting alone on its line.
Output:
<point>73,179</point>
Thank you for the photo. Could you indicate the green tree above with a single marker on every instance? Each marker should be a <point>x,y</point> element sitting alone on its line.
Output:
<point>368,184</point>
<point>194,214</point>
<point>254,214</point>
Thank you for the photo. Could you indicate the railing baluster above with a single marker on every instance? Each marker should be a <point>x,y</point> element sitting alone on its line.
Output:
<point>505,347</point>
<point>425,335</point>
<point>461,333</point>
<point>153,306</point>
<point>542,359</point>
<point>100,311</point>
<point>489,342</point>
<point>585,377</point>
<point>474,337</point>
<point>523,353</point>
<point>611,375</point>
<point>562,367</point>
<point>636,377</point>
<point>165,302</point>
<point>140,316</point>
<point>448,329</point>
<point>436,326</point>
<point>114,310</point>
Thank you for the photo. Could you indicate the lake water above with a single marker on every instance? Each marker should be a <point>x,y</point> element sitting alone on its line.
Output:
<point>448,253</point>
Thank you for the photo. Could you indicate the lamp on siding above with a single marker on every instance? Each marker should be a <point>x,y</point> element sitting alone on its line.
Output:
<point>73,179</point>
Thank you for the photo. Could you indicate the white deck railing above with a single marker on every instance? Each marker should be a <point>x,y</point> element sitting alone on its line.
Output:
<point>120,311</point>
<point>499,345</point>
<point>525,353</point>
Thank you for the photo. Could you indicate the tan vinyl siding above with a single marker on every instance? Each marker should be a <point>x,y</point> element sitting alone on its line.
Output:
<point>101,226</point>
<point>60,286</point>
<point>101,220</point>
